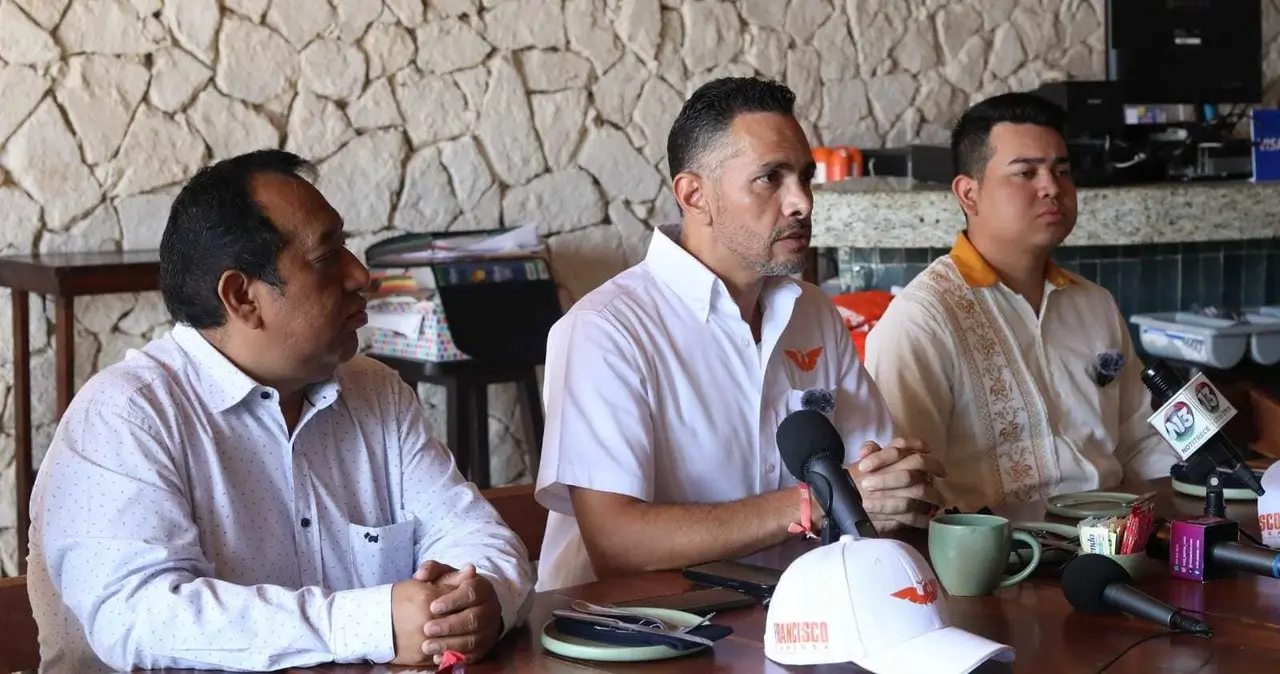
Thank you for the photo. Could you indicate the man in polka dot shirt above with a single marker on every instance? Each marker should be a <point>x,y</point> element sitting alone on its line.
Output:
<point>246,492</point>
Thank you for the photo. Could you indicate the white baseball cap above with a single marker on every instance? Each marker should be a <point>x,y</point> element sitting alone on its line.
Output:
<point>874,602</point>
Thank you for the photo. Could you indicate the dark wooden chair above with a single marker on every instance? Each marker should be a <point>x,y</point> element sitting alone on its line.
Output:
<point>466,384</point>
<point>63,276</point>
<point>19,648</point>
<point>522,513</point>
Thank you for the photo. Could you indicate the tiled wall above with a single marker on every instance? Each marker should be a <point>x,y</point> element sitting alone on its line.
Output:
<point>1143,278</point>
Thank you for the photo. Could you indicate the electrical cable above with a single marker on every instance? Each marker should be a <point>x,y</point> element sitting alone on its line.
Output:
<point>1251,539</point>
<point>1150,637</point>
<point>1139,642</point>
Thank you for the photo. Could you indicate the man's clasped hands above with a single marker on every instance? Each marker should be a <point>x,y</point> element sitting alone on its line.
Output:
<point>444,609</point>
<point>897,483</point>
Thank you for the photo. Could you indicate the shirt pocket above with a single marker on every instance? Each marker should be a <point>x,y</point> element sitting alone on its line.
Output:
<point>382,555</point>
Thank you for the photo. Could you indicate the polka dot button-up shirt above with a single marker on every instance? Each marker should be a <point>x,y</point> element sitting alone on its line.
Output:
<point>176,522</point>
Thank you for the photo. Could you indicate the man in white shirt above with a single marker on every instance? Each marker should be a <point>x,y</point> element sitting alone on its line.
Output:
<point>1022,378</point>
<point>665,386</point>
<point>245,492</point>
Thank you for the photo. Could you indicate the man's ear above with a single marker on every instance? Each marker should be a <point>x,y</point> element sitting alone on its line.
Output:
<point>690,191</point>
<point>966,190</point>
<point>237,292</point>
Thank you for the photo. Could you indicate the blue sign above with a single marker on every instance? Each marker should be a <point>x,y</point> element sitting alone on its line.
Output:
<point>1264,127</point>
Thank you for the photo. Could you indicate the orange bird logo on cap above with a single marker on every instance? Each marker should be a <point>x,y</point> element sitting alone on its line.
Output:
<point>926,594</point>
<point>805,360</point>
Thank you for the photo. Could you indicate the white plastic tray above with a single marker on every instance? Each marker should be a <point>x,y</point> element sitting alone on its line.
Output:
<point>1216,342</point>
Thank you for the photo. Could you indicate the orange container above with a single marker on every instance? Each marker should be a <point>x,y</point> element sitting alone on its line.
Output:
<point>856,167</point>
<point>838,165</point>
<point>821,156</point>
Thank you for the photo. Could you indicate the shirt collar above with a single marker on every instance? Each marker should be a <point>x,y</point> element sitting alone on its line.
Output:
<point>977,273</point>
<point>224,385</point>
<point>696,285</point>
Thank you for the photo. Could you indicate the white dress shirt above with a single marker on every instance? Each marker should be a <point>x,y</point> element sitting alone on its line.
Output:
<point>655,388</point>
<point>175,523</point>
<point>1006,396</point>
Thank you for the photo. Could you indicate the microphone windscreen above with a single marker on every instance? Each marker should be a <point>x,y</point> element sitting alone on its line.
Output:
<point>818,400</point>
<point>1086,577</point>
<point>804,434</point>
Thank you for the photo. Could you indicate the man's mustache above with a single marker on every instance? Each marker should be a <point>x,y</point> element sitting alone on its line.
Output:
<point>797,227</point>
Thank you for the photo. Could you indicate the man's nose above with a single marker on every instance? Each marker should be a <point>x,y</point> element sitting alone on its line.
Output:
<point>358,277</point>
<point>1049,187</point>
<point>798,202</point>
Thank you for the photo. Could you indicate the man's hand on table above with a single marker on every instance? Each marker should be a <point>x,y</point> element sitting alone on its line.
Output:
<point>410,611</point>
<point>896,483</point>
<point>463,614</point>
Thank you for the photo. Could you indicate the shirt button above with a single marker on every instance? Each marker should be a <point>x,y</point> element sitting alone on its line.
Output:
<point>265,395</point>
<point>772,468</point>
<point>306,522</point>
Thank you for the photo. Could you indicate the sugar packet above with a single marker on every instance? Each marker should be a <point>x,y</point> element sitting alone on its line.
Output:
<point>1141,522</point>
<point>1098,535</point>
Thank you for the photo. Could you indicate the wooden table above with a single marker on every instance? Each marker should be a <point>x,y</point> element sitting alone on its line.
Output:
<point>1033,617</point>
<point>64,276</point>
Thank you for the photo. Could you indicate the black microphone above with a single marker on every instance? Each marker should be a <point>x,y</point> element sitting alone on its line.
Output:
<point>1221,554</point>
<point>813,452</point>
<point>1217,452</point>
<point>1095,583</point>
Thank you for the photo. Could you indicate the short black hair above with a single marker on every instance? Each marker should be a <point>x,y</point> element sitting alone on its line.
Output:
<point>705,117</point>
<point>215,225</point>
<point>971,137</point>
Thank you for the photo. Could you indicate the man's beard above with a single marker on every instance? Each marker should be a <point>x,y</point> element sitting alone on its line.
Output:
<point>779,267</point>
<point>740,241</point>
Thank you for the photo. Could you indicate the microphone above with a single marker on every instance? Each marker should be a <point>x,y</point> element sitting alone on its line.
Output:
<point>1220,551</point>
<point>813,452</point>
<point>1095,583</point>
<point>1215,451</point>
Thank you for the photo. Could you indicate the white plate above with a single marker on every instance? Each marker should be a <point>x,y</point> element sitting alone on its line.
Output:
<point>583,649</point>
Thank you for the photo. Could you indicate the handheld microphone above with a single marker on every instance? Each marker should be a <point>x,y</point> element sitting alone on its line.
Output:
<point>1216,451</point>
<point>813,452</point>
<point>1095,583</point>
<point>1220,552</point>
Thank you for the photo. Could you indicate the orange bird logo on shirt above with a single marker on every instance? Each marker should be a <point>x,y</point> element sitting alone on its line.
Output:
<point>805,360</point>
<point>926,594</point>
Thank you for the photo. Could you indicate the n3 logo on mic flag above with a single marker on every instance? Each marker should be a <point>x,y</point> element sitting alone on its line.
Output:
<point>1179,421</point>
<point>1192,416</point>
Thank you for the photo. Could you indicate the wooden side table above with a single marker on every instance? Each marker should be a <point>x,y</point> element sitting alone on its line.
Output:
<point>466,385</point>
<point>64,276</point>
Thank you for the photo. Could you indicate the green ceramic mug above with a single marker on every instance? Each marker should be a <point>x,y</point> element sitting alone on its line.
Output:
<point>969,553</point>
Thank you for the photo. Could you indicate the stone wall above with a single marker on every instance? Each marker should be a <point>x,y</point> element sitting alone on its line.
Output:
<point>449,115</point>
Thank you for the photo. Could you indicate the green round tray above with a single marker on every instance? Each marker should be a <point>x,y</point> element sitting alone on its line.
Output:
<point>1232,494</point>
<point>1102,504</point>
<point>583,649</point>
<point>1048,555</point>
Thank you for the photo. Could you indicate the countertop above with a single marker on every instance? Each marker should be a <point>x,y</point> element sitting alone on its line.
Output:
<point>887,212</point>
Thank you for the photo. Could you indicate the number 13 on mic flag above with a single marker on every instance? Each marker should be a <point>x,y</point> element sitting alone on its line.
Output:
<point>1192,416</point>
